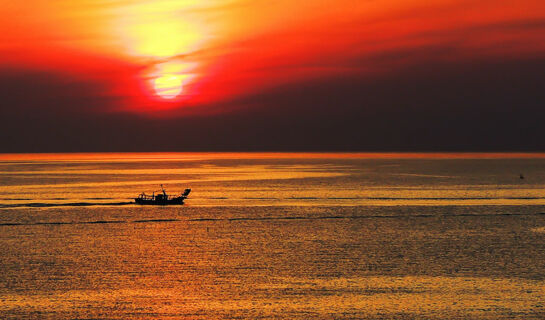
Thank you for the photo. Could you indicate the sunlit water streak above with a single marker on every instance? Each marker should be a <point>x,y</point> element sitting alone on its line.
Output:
<point>276,237</point>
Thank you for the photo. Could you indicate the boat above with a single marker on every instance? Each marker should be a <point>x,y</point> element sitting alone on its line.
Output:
<point>162,198</point>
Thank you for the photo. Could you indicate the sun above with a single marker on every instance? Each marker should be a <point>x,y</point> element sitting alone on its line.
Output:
<point>168,86</point>
<point>171,79</point>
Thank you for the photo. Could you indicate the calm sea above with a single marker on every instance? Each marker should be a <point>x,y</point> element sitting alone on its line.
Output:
<point>273,236</point>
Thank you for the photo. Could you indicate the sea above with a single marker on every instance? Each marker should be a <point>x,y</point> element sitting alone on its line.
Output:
<point>273,236</point>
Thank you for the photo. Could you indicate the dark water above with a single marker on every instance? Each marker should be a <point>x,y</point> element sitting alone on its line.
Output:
<point>272,237</point>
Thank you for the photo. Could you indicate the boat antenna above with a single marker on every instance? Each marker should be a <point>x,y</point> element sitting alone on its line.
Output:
<point>163,190</point>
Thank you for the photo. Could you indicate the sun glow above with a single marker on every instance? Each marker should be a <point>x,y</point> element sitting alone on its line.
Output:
<point>159,29</point>
<point>163,33</point>
<point>162,39</point>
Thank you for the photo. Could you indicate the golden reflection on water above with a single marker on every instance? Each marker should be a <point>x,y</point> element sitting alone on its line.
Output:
<point>273,238</point>
<point>259,180</point>
<point>210,174</point>
<point>481,298</point>
<point>415,268</point>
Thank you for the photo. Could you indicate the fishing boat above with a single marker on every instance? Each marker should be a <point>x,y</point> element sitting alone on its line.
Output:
<point>162,198</point>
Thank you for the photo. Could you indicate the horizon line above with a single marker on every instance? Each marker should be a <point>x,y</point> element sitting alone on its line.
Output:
<point>201,155</point>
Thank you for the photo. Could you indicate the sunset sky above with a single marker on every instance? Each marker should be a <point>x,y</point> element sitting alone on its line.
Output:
<point>347,75</point>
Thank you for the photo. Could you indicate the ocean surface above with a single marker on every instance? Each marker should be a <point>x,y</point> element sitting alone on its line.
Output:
<point>273,236</point>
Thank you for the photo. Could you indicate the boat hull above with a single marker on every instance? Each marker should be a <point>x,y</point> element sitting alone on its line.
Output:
<point>175,201</point>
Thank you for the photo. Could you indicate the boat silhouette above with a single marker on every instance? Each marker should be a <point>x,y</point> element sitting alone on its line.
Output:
<point>162,198</point>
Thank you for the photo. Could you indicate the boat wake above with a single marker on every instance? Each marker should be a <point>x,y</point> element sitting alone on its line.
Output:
<point>70,204</point>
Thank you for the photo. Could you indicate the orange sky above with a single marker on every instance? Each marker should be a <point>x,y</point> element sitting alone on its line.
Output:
<point>183,55</point>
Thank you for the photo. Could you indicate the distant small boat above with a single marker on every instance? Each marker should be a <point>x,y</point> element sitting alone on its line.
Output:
<point>162,198</point>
